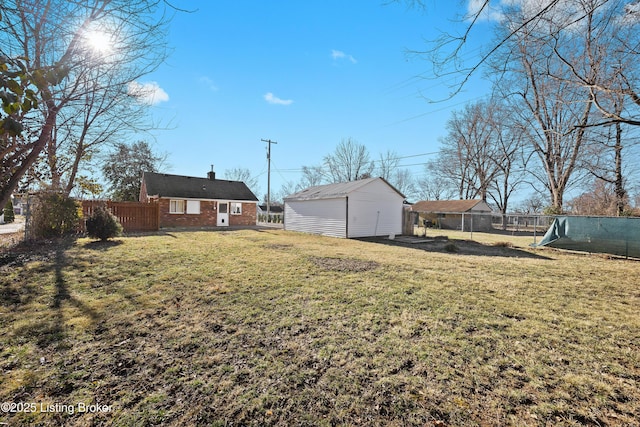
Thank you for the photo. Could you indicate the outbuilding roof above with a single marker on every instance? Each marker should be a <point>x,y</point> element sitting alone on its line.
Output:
<point>451,206</point>
<point>189,187</point>
<point>334,191</point>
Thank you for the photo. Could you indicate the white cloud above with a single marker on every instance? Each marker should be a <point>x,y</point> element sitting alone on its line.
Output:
<point>149,93</point>
<point>272,99</point>
<point>208,83</point>
<point>338,55</point>
<point>560,13</point>
<point>489,12</point>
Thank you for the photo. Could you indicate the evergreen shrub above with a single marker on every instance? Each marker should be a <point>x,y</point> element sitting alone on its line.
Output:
<point>9,215</point>
<point>103,225</point>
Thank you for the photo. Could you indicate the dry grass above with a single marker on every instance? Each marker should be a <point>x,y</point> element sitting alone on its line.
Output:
<point>521,240</point>
<point>277,328</point>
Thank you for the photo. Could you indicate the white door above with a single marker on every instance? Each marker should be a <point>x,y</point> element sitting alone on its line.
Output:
<point>223,214</point>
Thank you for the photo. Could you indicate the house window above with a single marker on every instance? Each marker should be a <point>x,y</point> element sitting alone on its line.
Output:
<point>236,208</point>
<point>176,206</point>
<point>193,207</point>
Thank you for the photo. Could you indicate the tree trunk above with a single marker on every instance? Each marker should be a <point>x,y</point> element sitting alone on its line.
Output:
<point>41,143</point>
<point>621,194</point>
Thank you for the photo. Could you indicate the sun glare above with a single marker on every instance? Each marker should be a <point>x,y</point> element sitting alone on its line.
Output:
<point>99,42</point>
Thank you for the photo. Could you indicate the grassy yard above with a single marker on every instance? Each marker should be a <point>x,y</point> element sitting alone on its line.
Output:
<point>275,328</point>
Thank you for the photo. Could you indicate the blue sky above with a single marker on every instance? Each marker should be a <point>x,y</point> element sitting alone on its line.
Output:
<point>306,74</point>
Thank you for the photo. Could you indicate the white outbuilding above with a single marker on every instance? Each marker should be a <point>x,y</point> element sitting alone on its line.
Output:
<point>363,208</point>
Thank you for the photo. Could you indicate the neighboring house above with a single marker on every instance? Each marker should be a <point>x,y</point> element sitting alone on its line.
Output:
<point>465,215</point>
<point>19,204</point>
<point>276,213</point>
<point>368,207</point>
<point>273,210</point>
<point>186,201</point>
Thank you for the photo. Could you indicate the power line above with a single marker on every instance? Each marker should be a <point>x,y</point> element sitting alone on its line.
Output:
<point>472,54</point>
<point>377,161</point>
<point>434,111</point>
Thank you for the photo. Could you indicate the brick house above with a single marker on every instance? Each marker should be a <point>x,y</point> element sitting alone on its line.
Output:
<point>186,201</point>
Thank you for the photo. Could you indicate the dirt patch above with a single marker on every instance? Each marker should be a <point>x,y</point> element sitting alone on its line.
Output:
<point>8,240</point>
<point>346,265</point>
<point>459,247</point>
<point>279,246</point>
<point>24,252</point>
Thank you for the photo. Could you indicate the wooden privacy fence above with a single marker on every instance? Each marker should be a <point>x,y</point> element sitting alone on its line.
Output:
<point>133,216</point>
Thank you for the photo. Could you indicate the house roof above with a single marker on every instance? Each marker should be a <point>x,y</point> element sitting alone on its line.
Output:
<point>188,187</point>
<point>273,209</point>
<point>335,191</point>
<point>450,206</point>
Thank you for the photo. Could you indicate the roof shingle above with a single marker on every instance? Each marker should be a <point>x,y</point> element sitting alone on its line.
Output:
<point>334,191</point>
<point>188,187</point>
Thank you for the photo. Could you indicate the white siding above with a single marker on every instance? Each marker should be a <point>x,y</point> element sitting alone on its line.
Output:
<point>375,210</point>
<point>326,217</point>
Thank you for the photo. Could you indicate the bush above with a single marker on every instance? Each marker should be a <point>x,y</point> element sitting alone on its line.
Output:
<point>103,225</point>
<point>54,215</point>
<point>551,210</point>
<point>9,216</point>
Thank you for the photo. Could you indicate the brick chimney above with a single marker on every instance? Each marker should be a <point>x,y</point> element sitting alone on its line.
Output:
<point>211,174</point>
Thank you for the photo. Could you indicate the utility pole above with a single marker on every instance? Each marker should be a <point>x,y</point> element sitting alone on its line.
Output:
<point>269,142</point>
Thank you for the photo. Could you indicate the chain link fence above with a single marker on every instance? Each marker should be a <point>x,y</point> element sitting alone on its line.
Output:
<point>416,223</point>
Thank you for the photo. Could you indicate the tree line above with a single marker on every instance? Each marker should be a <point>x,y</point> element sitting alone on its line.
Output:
<point>566,81</point>
<point>564,109</point>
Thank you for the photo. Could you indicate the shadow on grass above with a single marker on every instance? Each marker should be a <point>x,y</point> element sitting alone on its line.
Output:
<point>100,245</point>
<point>134,234</point>
<point>455,247</point>
<point>54,332</point>
<point>49,327</point>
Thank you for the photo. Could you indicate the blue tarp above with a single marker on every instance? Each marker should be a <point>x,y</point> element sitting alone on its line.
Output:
<point>616,236</point>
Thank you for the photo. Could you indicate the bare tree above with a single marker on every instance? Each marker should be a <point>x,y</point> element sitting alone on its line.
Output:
<point>604,159</point>
<point>453,168</point>
<point>508,141</point>
<point>591,47</point>
<point>93,51</point>
<point>469,150</point>
<point>350,161</point>
<point>611,26</point>
<point>533,204</point>
<point>287,188</point>
<point>600,200</point>
<point>555,111</point>
<point>482,153</point>
<point>403,181</point>
<point>387,164</point>
<point>605,58</point>
<point>311,176</point>
<point>84,129</point>
<point>435,185</point>
<point>389,169</point>
<point>244,175</point>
